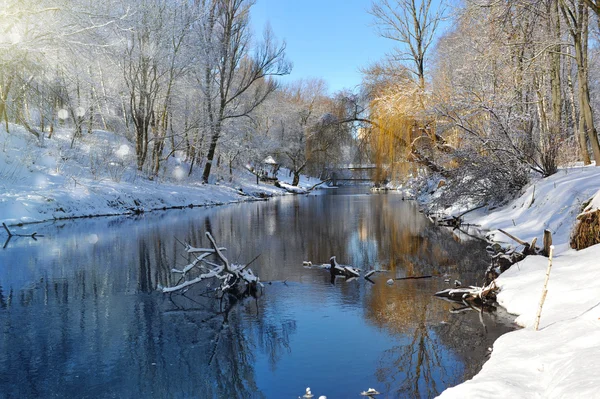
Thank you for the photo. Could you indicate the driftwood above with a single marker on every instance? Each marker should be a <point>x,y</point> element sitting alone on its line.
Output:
<point>528,249</point>
<point>234,279</point>
<point>318,184</point>
<point>479,295</point>
<point>335,269</point>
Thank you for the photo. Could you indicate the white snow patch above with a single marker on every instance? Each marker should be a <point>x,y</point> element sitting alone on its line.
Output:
<point>98,176</point>
<point>562,358</point>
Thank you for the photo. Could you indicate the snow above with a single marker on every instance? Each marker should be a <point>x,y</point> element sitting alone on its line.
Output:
<point>270,161</point>
<point>562,358</point>
<point>292,189</point>
<point>98,177</point>
<point>552,203</point>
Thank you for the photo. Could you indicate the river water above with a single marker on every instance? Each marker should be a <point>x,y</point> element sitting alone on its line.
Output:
<point>80,315</point>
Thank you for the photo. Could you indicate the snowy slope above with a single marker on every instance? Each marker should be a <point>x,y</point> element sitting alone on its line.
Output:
<point>552,203</point>
<point>562,359</point>
<point>97,177</point>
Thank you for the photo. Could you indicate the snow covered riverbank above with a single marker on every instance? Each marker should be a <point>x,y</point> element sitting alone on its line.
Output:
<point>562,359</point>
<point>54,181</point>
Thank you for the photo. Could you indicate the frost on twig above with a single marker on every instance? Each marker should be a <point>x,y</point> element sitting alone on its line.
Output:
<point>232,278</point>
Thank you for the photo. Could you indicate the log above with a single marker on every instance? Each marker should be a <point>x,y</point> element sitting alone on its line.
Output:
<point>471,293</point>
<point>318,184</point>
<point>470,210</point>
<point>340,270</point>
<point>370,273</point>
<point>532,250</point>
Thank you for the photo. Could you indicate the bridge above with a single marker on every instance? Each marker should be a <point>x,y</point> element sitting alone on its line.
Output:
<point>357,173</point>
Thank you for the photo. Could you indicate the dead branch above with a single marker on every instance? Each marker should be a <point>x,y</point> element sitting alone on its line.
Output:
<point>480,295</point>
<point>7,230</point>
<point>412,277</point>
<point>318,184</point>
<point>517,239</point>
<point>230,276</point>
<point>11,234</point>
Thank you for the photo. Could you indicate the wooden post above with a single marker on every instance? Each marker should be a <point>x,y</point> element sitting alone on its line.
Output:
<point>547,242</point>
<point>539,313</point>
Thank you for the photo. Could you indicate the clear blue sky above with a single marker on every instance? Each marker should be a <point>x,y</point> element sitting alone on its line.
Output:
<point>328,39</point>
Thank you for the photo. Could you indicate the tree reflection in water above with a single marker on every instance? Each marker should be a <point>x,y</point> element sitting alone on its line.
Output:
<point>82,317</point>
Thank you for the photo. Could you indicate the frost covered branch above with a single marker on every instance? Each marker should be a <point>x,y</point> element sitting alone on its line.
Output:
<point>233,278</point>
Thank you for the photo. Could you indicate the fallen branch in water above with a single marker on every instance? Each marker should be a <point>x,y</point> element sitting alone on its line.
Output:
<point>233,278</point>
<point>318,184</point>
<point>480,295</point>
<point>11,234</point>
<point>412,277</point>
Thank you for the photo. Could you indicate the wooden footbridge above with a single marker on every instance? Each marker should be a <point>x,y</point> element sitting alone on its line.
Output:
<point>351,173</point>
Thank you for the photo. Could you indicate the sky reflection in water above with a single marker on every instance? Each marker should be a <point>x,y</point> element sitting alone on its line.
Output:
<point>80,315</point>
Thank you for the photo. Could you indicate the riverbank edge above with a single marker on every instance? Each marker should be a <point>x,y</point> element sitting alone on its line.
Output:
<point>561,358</point>
<point>142,211</point>
<point>142,207</point>
<point>52,182</point>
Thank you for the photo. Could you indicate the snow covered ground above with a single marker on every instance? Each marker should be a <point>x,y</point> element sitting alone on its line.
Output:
<point>562,358</point>
<point>97,177</point>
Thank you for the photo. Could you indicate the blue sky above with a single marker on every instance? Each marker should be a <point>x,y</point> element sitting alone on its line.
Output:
<point>328,39</point>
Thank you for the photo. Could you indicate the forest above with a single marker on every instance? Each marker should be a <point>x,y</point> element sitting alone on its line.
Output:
<point>481,95</point>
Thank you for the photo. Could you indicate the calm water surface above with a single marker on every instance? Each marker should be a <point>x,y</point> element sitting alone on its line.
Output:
<point>80,315</point>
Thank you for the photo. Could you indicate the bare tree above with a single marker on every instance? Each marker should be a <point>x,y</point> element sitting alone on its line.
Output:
<point>576,17</point>
<point>413,24</point>
<point>228,73</point>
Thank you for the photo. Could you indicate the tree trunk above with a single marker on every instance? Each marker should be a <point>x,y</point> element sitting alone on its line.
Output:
<point>555,71</point>
<point>4,89</point>
<point>578,122</point>
<point>580,41</point>
<point>211,153</point>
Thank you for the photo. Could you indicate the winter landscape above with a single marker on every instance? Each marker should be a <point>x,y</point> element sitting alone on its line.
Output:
<point>228,199</point>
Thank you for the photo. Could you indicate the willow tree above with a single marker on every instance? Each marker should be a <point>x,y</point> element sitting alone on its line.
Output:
<point>399,124</point>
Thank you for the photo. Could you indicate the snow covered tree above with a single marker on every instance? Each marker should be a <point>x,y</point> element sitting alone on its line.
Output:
<point>233,78</point>
<point>300,128</point>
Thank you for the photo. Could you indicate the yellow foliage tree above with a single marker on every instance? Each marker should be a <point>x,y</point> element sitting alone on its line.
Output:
<point>397,109</point>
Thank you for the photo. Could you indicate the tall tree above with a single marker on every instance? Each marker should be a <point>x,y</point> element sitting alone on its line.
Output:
<point>413,24</point>
<point>229,72</point>
<point>576,17</point>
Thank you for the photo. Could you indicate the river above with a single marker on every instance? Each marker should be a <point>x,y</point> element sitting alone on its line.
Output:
<point>80,314</point>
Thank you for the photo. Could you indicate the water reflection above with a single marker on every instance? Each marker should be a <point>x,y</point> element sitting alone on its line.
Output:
<point>80,315</point>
